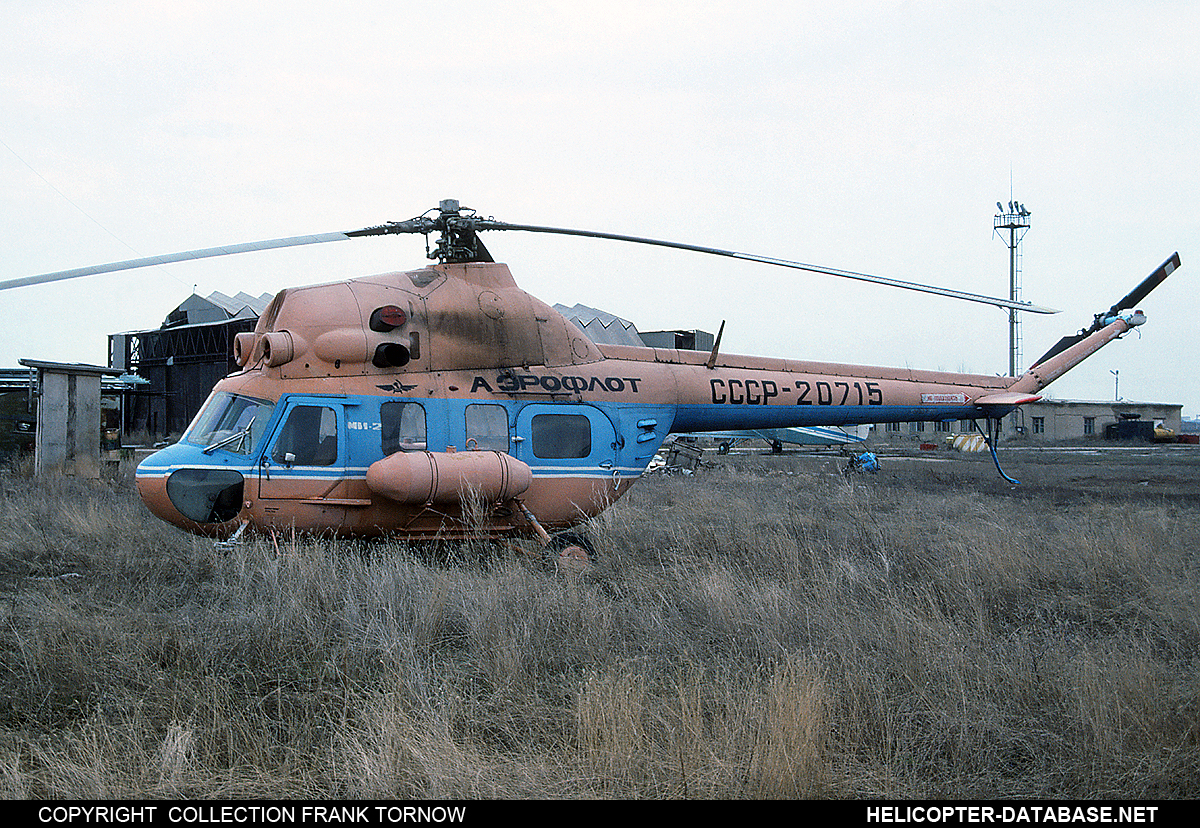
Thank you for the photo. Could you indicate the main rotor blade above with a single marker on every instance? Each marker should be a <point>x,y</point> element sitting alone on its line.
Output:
<point>206,253</point>
<point>489,224</point>
<point>450,219</point>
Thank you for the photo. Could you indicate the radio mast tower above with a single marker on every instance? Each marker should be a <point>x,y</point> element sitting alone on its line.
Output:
<point>1016,221</point>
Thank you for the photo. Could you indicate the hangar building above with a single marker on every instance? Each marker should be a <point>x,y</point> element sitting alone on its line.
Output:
<point>181,360</point>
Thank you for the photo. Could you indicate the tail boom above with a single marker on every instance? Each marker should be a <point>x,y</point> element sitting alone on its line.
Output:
<point>1048,370</point>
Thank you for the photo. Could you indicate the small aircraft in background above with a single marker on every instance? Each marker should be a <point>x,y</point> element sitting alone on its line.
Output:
<point>777,438</point>
<point>447,402</point>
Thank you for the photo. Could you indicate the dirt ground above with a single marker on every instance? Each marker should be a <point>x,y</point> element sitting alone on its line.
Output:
<point>1118,471</point>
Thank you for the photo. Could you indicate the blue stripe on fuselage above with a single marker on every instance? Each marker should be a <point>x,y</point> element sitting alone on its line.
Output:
<point>698,418</point>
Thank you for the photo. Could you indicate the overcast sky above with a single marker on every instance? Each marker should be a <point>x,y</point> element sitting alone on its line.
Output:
<point>869,136</point>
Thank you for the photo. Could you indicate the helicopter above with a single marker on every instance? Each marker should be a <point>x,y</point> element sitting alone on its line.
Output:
<point>446,402</point>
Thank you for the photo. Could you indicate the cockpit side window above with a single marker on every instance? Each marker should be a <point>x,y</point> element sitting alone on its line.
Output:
<point>402,426</point>
<point>308,438</point>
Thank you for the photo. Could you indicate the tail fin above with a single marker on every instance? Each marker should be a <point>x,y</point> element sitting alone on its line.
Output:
<point>1106,326</point>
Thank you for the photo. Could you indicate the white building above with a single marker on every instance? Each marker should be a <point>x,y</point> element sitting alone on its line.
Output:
<point>1049,421</point>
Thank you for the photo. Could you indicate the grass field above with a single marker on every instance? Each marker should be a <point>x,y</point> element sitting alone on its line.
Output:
<point>763,628</point>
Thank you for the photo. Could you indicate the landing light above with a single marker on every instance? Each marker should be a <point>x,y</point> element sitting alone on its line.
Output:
<point>387,318</point>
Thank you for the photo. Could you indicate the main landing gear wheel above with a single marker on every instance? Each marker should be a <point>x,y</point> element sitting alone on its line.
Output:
<point>572,548</point>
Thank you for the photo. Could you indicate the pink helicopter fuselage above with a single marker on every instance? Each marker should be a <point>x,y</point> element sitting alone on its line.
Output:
<point>448,402</point>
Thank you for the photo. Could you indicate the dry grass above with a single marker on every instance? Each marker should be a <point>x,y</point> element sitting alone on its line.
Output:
<point>748,632</point>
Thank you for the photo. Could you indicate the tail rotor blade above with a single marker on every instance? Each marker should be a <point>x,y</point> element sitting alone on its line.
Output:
<point>1148,284</point>
<point>1062,345</point>
<point>1130,301</point>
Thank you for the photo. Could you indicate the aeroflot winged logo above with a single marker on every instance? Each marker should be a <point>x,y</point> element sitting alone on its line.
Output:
<point>396,387</point>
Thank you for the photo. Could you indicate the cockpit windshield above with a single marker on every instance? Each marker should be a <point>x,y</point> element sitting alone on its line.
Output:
<point>230,422</point>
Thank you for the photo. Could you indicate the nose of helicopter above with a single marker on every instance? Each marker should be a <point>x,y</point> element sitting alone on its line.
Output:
<point>177,488</point>
<point>153,491</point>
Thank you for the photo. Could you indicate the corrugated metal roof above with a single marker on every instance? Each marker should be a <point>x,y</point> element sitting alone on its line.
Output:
<point>217,307</point>
<point>242,304</point>
<point>602,327</point>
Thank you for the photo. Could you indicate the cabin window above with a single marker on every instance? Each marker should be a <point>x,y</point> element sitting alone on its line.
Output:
<point>402,426</point>
<point>561,436</point>
<point>487,426</point>
<point>308,438</point>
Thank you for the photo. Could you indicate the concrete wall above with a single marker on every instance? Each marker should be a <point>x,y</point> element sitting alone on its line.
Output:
<point>68,425</point>
<point>1059,420</point>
